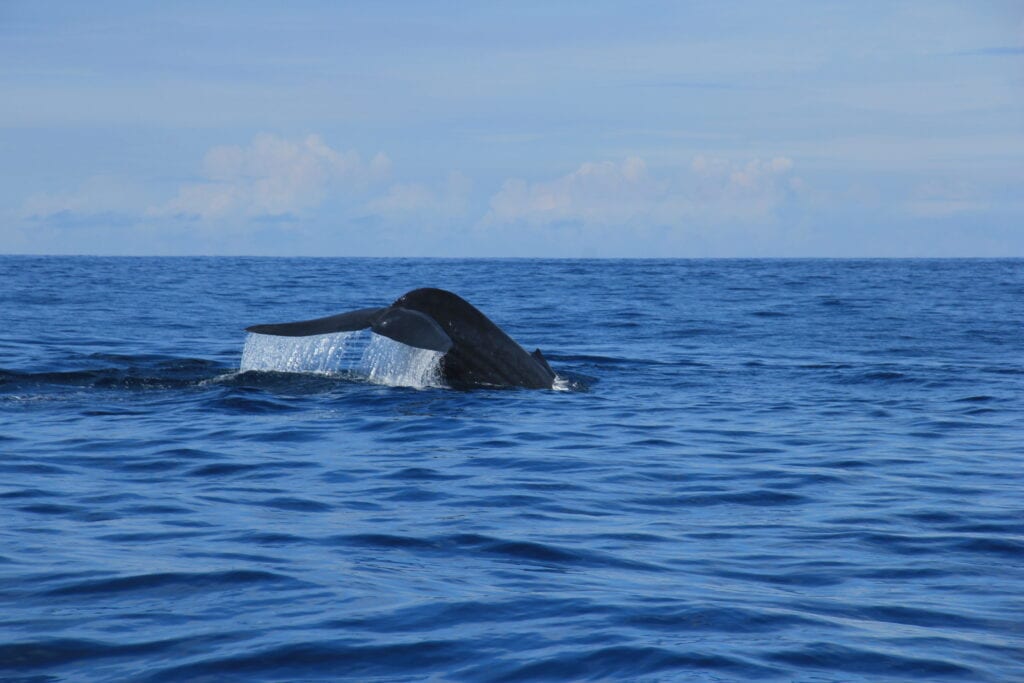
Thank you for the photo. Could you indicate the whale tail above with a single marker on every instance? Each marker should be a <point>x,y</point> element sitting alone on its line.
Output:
<point>343,322</point>
<point>401,324</point>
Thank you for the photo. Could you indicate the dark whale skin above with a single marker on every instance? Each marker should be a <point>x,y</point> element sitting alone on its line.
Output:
<point>482,354</point>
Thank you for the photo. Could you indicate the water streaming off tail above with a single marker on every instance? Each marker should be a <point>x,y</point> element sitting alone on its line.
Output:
<point>368,355</point>
<point>322,353</point>
<point>390,362</point>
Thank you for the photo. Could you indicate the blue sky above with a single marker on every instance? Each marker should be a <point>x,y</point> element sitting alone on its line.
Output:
<point>513,129</point>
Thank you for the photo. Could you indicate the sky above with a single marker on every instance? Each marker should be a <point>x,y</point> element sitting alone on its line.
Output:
<point>525,129</point>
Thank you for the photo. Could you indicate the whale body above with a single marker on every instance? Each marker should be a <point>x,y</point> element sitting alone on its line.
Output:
<point>477,353</point>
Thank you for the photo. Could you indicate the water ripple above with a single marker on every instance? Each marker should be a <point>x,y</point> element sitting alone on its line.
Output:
<point>170,582</point>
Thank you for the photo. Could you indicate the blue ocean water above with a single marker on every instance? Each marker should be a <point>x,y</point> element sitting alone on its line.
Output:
<point>806,470</point>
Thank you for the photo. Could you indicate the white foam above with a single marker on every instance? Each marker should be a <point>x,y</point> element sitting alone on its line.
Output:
<point>562,384</point>
<point>378,359</point>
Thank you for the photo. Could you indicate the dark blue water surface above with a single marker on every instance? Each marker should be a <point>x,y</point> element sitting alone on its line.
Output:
<point>802,470</point>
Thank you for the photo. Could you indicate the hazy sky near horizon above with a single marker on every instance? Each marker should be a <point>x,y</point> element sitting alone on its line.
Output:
<point>513,129</point>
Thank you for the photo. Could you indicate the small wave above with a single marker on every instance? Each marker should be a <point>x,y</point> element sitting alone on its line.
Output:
<point>798,579</point>
<point>438,614</point>
<point>168,581</point>
<point>518,551</point>
<point>420,474</point>
<point>62,651</point>
<point>907,615</point>
<point>884,375</point>
<point>997,546</point>
<point>754,498</point>
<point>713,618</point>
<point>321,661</point>
<point>137,373</point>
<point>254,405</point>
<point>831,657</point>
<point>621,663</point>
<point>296,504</point>
<point>879,375</point>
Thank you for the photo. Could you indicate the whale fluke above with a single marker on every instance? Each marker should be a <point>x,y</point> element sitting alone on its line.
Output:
<point>343,322</point>
<point>401,324</point>
<point>412,328</point>
<point>476,351</point>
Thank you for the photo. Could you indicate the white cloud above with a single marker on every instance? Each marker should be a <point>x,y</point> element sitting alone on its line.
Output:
<point>745,191</point>
<point>940,208</point>
<point>272,176</point>
<point>942,198</point>
<point>626,193</point>
<point>403,200</point>
<point>98,194</point>
<point>596,192</point>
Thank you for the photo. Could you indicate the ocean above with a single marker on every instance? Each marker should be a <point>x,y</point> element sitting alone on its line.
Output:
<point>750,470</point>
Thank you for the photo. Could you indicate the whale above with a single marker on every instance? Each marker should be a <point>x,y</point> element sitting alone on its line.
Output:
<point>476,352</point>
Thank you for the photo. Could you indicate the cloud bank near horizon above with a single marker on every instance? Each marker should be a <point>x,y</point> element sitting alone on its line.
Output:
<point>678,130</point>
<point>241,188</point>
<point>254,198</point>
<point>710,191</point>
<point>272,176</point>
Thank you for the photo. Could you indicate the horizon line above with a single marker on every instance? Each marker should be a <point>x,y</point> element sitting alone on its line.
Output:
<point>527,258</point>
